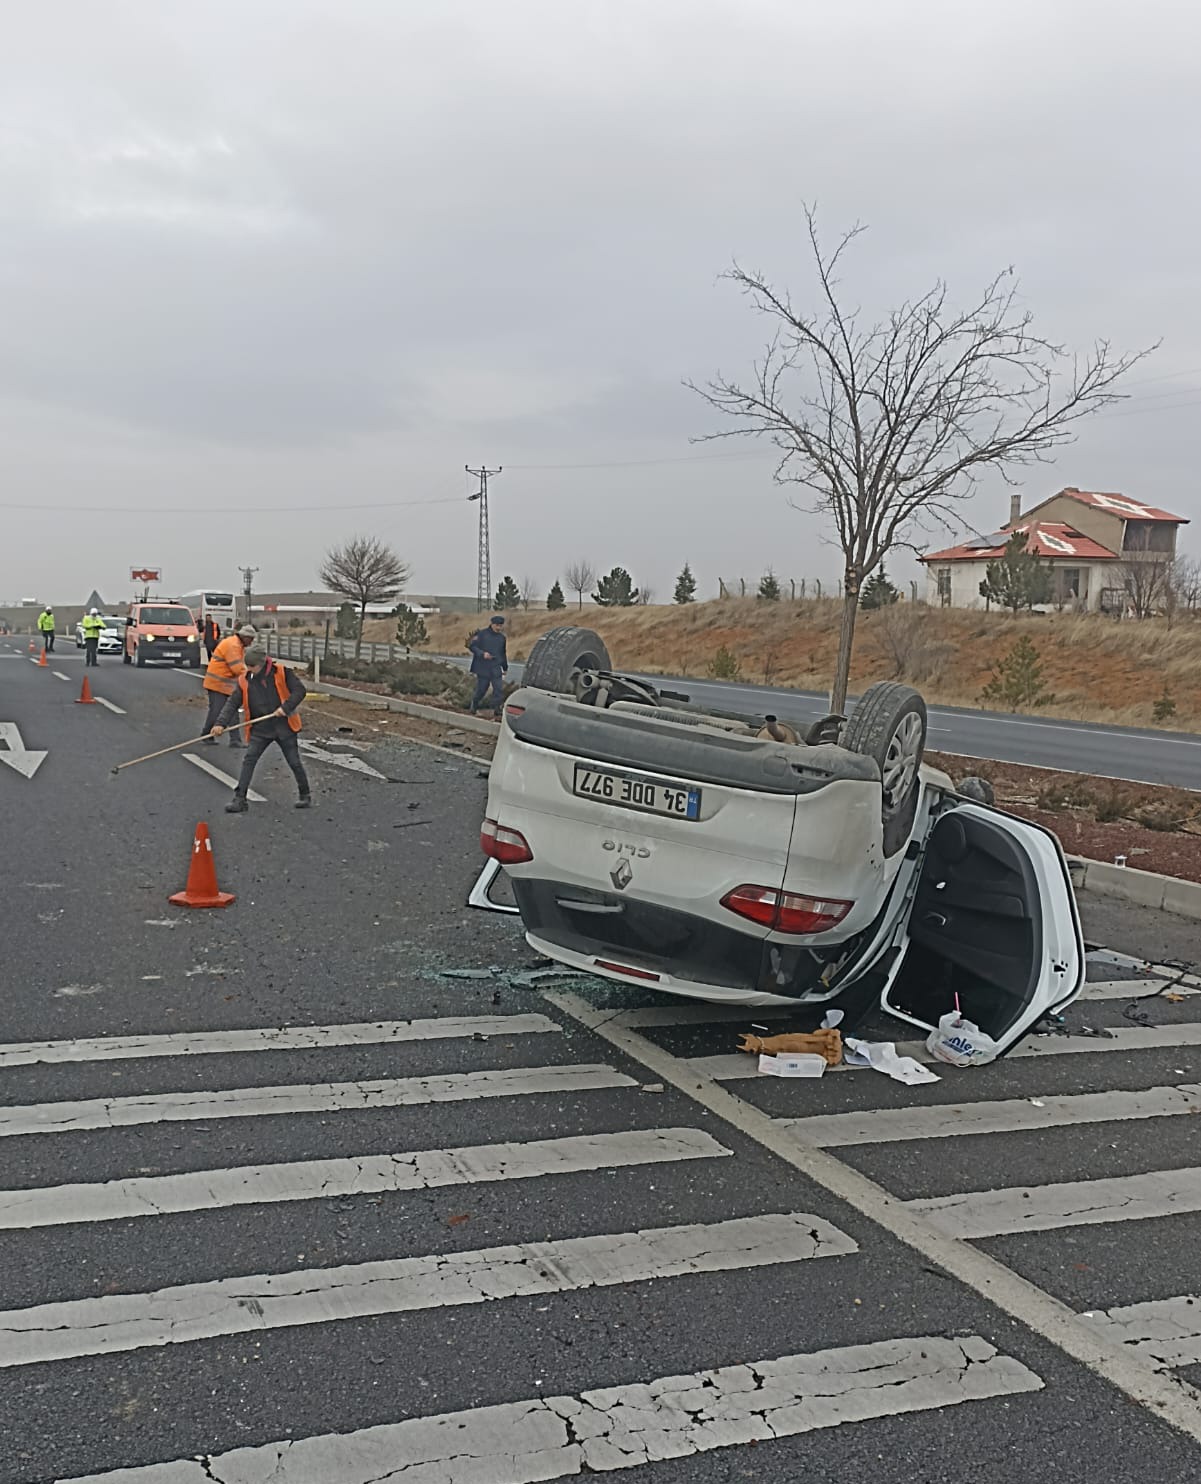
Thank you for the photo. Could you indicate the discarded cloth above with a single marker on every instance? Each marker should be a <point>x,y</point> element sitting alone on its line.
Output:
<point>882,1056</point>
<point>827,1044</point>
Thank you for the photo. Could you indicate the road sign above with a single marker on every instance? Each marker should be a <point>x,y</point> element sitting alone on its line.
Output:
<point>13,752</point>
<point>145,574</point>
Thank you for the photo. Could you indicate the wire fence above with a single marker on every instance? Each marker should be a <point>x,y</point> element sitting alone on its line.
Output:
<point>792,588</point>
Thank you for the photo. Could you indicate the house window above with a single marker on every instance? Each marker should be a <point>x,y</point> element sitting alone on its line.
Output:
<point>1067,584</point>
<point>1149,535</point>
<point>943,576</point>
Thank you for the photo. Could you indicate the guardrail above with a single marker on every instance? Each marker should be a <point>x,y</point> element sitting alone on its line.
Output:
<point>305,646</point>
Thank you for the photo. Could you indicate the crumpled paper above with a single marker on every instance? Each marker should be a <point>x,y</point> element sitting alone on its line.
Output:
<point>881,1056</point>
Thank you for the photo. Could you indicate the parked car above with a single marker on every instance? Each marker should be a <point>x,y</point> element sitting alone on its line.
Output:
<point>740,862</point>
<point>112,636</point>
<point>161,630</point>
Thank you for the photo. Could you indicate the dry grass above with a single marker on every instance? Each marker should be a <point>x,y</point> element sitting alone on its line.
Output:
<point>1098,669</point>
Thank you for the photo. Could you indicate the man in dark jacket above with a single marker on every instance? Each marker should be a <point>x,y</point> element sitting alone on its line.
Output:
<point>489,662</point>
<point>210,634</point>
<point>267,690</point>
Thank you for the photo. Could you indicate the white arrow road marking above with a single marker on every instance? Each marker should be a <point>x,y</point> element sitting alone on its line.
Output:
<point>351,764</point>
<point>13,751</point>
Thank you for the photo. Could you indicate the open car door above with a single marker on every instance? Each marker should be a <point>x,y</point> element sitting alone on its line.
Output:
<point>993,921</point>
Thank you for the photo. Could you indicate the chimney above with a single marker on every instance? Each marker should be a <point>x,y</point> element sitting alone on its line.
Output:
<point>1015,509</point>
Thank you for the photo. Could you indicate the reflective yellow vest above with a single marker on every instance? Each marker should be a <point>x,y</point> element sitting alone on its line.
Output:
<point>93,626</point>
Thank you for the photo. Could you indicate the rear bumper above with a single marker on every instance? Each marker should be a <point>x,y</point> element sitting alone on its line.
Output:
<point>687,954</point>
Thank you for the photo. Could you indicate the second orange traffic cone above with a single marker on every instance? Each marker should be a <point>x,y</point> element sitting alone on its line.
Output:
<point>42,659</point>
<point>201,890</point>
<point>85,696</point>
<point>32,646</point>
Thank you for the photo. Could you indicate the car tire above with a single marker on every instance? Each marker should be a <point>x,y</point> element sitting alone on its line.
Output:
<point>888,724</point>
<point>195,662</point>
<point>557,656</point>
<point>126,657</point>
<point>139,659</point>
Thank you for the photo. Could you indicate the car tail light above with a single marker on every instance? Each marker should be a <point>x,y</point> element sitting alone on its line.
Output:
<point>507,846</point>
<point>785,911</point>
<point>514,710</point>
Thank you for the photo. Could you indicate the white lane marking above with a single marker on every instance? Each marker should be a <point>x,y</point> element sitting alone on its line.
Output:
<point>116,710</point>
<point>1164,1333</point>
<point>1007,1116</point>
<point>734,1067</point>
<point>58,675</point>
<point>207,767</point>
<point>1041,1208</point>
<point>1135,989</point>
<point>334,1179</point>
<point>1168,1399</point>
<point>14,752</point>
<point>265,1301</point>
<point>273,1038</point>
<point>351,764</point>
<point>321,1097</point>
<point>620,1427</point>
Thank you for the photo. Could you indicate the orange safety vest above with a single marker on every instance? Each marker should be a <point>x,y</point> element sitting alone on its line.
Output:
<point>225,666</point>
<point>281,687</point>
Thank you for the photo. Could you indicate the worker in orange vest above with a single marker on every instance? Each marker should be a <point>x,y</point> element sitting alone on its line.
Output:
<point>210,635</point>
<point>270,692</point>
<point>221,678</point>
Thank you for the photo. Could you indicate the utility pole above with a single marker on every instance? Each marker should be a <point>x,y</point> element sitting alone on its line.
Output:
<point>483,576</point>
<point>247,587</point>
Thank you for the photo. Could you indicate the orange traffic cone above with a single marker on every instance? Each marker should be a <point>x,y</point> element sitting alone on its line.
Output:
<point>201,890</point>
<point>32,646</point>
<point>85,696</point>
<point>42,659</point>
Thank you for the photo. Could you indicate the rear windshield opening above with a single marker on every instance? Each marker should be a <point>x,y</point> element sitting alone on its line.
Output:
<point>165,616</point>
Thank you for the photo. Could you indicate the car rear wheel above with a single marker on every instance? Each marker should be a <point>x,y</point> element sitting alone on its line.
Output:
<point>560,653</point>
<point>889,725</point>
<point>126,659</point>
<point>140,658</point>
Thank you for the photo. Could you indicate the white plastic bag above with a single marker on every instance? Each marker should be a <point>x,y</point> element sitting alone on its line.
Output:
<point>960,1043</point>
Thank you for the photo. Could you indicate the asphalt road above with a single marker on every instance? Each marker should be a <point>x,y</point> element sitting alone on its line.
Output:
<point>1143,756</point>
<point>272,1185</point>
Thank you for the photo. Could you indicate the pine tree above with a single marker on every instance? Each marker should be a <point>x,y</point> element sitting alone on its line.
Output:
<point>347,626</point>
<point>410,627</point>
<point>878,591</point>
<point>1018,579</point>
<point>555,599</point>
<point>686,586</point>
<point>769,587</point>
<point>508,595</point>
<point>1017,679</point>
<point>617,590</point>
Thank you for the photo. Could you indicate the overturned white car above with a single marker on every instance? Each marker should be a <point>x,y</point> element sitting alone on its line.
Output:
<point>737,861</point>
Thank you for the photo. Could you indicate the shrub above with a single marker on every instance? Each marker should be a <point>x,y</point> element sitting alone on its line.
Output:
<point>1165,707</point>
<point>725,665</point>
<point>1017,679</point>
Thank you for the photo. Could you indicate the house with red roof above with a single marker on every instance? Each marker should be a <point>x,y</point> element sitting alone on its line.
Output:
<point>1089,540</point>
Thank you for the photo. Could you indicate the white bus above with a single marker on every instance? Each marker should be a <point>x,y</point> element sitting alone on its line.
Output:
<point>212,601</point>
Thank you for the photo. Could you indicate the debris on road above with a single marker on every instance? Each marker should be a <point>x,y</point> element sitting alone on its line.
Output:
<point>804,1064</point>
<point>881,1056</point>
<point>824,1043</point>
<point>960,1043</point>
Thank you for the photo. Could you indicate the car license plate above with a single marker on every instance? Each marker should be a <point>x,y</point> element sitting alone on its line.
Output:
<point>648,795</point>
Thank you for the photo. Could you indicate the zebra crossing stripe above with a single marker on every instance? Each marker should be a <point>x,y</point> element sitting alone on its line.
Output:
<point>1040,1208</point>
<point>335,1179</point>
<point>264,1301</point>
<point>1165,1333</point>
<point>622,1427</point>
<point>1005,1116</point>
<point>321,1097</point>
<point>272,1038</point>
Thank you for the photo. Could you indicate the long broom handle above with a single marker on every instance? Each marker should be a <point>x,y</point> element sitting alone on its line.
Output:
<point>191,742</point>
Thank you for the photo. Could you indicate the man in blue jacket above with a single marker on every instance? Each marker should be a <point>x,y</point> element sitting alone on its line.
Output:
<point>489,662</point>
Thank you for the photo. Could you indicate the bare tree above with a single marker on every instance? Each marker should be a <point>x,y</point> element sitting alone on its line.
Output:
<point>1184,584</point>
<point>1147,584</point>
<point>887,423</point>
<point>528,590</point>
<point>579,577</point>
<point>646,596</point>
<point>364,571</point>
<point>904,632</point>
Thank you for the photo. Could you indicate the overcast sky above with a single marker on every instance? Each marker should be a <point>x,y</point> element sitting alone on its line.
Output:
<point>265,264</point>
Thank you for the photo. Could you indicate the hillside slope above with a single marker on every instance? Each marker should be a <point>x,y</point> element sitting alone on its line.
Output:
<point>1097,668</point>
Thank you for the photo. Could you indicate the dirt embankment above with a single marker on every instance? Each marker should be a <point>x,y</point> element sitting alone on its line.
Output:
<point>1095,668</point>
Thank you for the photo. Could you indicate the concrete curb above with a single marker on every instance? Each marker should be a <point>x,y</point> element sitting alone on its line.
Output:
<point>1143,888</point>
<point>459,721</point>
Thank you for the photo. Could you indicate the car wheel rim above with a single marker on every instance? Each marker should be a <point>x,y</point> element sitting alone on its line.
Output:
<point>901,760</point>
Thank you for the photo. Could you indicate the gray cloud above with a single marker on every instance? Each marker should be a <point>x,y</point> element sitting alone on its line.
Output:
<point>311,253</point>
